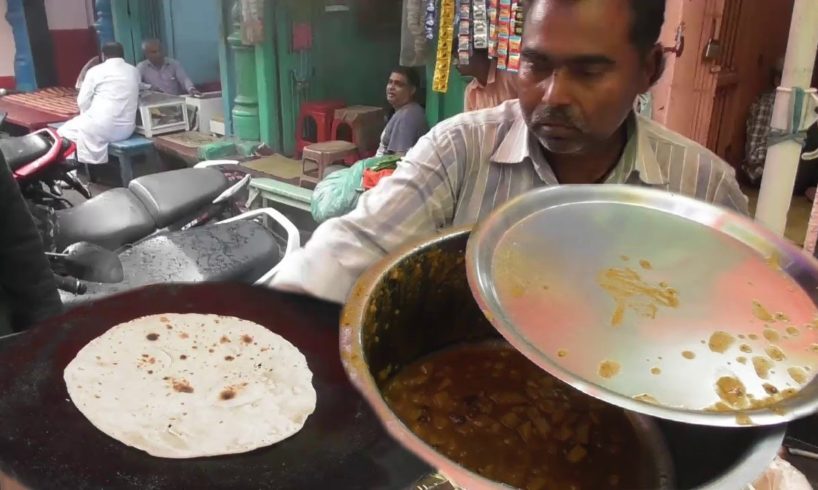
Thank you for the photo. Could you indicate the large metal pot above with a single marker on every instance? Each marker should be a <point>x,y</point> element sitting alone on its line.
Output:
<point>417,301</point>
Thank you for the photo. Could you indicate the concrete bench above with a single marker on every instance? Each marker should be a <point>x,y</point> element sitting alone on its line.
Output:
<point>281,192</point>
<point>125,151</point>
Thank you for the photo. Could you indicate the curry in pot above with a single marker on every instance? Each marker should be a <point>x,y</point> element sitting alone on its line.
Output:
<point>494,412</point>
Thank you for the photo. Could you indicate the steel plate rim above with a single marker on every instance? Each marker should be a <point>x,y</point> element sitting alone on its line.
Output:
<point>486,235</point>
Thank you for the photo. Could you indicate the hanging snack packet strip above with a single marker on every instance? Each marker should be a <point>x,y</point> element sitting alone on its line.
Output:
<point>514,47</point>
<point>504,31</point>
<point>443,63</point>
<point>464,32</point>
<point>481,24</point>
<point>429,21</point>
<point>492,14</point>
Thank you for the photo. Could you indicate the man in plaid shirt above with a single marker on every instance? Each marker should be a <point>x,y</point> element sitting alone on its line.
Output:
<point>758,128</point>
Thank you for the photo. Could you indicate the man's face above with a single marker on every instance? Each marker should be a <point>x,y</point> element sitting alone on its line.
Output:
<point>580,72</point>
<point>399,91</point>
<point>154,54</point>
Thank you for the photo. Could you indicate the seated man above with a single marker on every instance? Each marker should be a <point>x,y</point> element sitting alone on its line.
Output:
<point>758,128</point>
<point>583,64</point>
<point>108,101</point>
<point>489,87</point>
<point>28,293</point>
<point>408,123</point>
<point>163,74</point>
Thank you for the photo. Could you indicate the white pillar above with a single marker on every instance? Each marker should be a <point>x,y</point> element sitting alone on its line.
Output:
<point>782,159</point>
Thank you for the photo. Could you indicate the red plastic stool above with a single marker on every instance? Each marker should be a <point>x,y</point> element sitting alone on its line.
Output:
<point>315,123</point>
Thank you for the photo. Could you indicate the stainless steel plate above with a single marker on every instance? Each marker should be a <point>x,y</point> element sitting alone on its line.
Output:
<point>654,302</point>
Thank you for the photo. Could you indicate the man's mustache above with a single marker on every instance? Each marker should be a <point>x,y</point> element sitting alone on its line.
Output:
<point>557,116</point>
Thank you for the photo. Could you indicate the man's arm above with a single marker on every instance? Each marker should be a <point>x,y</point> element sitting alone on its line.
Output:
<point>415,202</point>
<point>86,95</point>
<point>25,274</point>
<point>727,192</point>
<point>183,79</point>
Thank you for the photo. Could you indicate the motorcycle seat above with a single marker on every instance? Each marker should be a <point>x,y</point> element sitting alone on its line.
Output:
<point>171,196</point>
<point>110,220</point>
<point>240,251</point>
<point>20,151</point>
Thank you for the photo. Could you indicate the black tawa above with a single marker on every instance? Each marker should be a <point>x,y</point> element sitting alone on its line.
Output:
<point>46,443</point>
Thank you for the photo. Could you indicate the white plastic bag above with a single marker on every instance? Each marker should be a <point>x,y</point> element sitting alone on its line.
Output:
<point>781,475</point>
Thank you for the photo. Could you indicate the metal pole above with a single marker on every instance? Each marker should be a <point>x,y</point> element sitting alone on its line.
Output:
<point>782,159</point>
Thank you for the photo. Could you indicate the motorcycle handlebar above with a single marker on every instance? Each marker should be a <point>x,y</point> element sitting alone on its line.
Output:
<point>70,285</point>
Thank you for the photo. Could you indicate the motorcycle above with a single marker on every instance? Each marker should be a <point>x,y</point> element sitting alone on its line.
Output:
<point>179,226</point>
<point>181,199</point>
<point>240,249</point>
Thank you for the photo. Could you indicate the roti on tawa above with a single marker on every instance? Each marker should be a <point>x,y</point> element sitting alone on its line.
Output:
<point>187,386</point>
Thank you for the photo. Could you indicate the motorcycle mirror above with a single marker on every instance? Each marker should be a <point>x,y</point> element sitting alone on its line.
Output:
<point>92,263</point>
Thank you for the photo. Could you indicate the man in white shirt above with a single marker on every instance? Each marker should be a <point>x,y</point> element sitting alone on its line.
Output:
<point>108,101</point>
<point>582,66</point>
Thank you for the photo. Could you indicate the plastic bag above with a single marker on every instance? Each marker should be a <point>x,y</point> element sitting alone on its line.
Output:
<point>781,475</point>
<point>338,193</point>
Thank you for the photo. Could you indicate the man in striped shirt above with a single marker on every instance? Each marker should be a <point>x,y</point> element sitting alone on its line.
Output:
<point>583,64</point>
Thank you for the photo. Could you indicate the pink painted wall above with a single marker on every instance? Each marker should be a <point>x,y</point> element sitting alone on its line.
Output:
<point>681,96</point>
<point>6,50</point>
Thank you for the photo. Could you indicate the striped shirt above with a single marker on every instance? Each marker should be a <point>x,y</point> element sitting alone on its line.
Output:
<point>466,167</point>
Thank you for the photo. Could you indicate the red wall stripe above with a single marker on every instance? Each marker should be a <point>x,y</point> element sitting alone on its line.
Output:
<point>8,83</point>
<point>72,49</point>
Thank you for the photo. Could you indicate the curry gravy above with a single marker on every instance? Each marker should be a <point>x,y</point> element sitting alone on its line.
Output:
<point>494,412</point>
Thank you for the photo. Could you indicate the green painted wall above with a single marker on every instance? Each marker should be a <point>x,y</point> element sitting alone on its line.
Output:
<point>444,106</point>
<point>346,61</point>
<point>134,21</point>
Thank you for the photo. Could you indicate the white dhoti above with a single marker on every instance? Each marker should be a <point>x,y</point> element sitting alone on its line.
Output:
<point>92,139</point>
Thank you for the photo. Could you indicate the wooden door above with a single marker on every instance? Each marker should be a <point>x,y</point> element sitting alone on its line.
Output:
<point>724,108</point>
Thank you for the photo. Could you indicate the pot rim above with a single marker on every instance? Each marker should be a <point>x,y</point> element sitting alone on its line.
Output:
<point>354,361</point>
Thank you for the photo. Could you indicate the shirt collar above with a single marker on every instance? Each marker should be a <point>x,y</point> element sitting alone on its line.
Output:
<point>638,157</point>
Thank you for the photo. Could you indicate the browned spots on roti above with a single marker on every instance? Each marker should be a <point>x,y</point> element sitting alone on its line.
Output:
<point>224,340</point>
<point>164,319</point>
<point>227,394</point>
<point>183,357</point>
<point>229,358</point>
<point>169,327</point>
<point>181,386</point>
<point>184,335</point>
<point>210,350</point>
<point>153,337</point>
<point>770,389</point>
<point>247,339</point>
<point>689,355</point>
<point>645,264</point>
